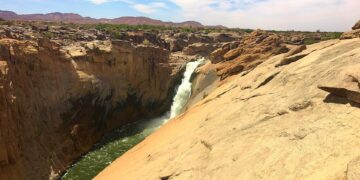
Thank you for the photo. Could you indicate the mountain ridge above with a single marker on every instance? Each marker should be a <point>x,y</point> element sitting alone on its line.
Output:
<point>76,18</point>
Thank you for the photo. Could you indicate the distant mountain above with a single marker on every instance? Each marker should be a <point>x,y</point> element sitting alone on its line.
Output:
<point>76,18</point>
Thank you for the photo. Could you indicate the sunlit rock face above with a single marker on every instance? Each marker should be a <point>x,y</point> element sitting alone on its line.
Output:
<point>299,120</point>
<point>355,33</point>
<point>57,100</point>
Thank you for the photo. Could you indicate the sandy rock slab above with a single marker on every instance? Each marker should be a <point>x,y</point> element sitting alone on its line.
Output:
<point>353,170</point>
<point>346,85</point>
<point>297,121</point>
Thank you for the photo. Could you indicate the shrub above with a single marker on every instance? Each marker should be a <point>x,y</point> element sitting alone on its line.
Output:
<point>146,42</point>
<point>116,35</point>
<point>49,35</point>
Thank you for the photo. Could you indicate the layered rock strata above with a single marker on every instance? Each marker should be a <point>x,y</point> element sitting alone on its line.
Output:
<point>57,100</point>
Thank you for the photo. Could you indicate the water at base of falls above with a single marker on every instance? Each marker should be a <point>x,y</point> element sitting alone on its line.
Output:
<point>118,142</point>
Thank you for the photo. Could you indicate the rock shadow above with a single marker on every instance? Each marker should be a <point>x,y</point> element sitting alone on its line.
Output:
<point>335,99</point>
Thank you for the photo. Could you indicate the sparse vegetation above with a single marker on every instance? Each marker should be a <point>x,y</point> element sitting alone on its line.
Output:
<point>146,42</point>
<point>116,35</point>
<point>5,22</point>
<point>49,35</point>
<point>322,37</point>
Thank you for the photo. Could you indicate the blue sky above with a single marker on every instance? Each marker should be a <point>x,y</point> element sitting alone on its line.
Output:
<point>325,15</point>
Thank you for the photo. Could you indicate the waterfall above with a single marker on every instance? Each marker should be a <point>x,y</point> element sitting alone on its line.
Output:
<point>128,136</point>
<point>180,99</point>
<point>184,90</point>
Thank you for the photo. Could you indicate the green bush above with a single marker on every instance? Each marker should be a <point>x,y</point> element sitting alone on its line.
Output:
<point>49,35</point>
<point>146,42</point>
<point>117,35</point>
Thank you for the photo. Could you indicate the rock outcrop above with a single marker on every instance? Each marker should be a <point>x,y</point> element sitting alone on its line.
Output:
<point>356,26</point>
<point>351,34</point>
<point>273,122</point>
<point>346,84</point>
<point>355,33</point>
<point>57,99</point>
<point>252,50</point>
<point>198,49</point>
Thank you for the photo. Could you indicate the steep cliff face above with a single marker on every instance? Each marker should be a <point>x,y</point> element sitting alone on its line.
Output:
<point>294,120</point>
<point>57,100</point>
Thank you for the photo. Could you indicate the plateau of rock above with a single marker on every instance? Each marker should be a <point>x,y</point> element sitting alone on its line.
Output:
<point>265,105</point>
<point>293,116</point>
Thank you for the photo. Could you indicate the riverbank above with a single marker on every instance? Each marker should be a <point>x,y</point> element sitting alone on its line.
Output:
<point>275,122</point>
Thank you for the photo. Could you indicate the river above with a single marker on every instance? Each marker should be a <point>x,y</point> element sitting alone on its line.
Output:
<point>118,142</point>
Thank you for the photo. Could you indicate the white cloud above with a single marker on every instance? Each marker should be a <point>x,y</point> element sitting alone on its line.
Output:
<point>140,7</point>
<point>99,1</point>
<point>149,8</point>
<point>332,15</point>
<point>106,1</point>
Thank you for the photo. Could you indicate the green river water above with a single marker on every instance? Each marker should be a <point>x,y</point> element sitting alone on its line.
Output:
<point>118,142</point>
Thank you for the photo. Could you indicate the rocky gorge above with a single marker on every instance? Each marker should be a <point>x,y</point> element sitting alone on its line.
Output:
<point>57,100</point>
<point>294,116</point>
<point>63,88</point>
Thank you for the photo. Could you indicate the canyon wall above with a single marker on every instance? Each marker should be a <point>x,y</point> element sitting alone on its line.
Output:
<point>62,87</point>
<point>58,99</point>
<point>294,116</point>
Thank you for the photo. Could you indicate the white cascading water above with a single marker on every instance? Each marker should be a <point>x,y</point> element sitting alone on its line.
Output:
<point>95,161</point>
<point>182,96</point>
<point>184,90</point>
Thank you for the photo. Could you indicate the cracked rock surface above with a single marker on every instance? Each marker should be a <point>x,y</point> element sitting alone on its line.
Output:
<point>287,128</point>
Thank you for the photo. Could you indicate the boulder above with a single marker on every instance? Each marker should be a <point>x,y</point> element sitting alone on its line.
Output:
<point>183,36</point>
<point>217,55</point>
<point>232,54</point>
<point>176,44</point>
<point>223,38</point>
<point>194,38</point>
<point>355,33</point>
<point>346,84</point>
<point>356,26</point>
<point>198,48</point>
<point>296,50</point>
<point>351,34</point>
<point>297,40</point>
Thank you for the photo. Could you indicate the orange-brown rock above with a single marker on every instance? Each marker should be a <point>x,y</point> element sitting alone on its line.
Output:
<point>57,100</point>
<point>198,48</point>
<point>351,34</point>
<point>295,50</point>
<point>232,54</point>
<point>356,26</point>
<point>355,33</point>
<point>250,52</point>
